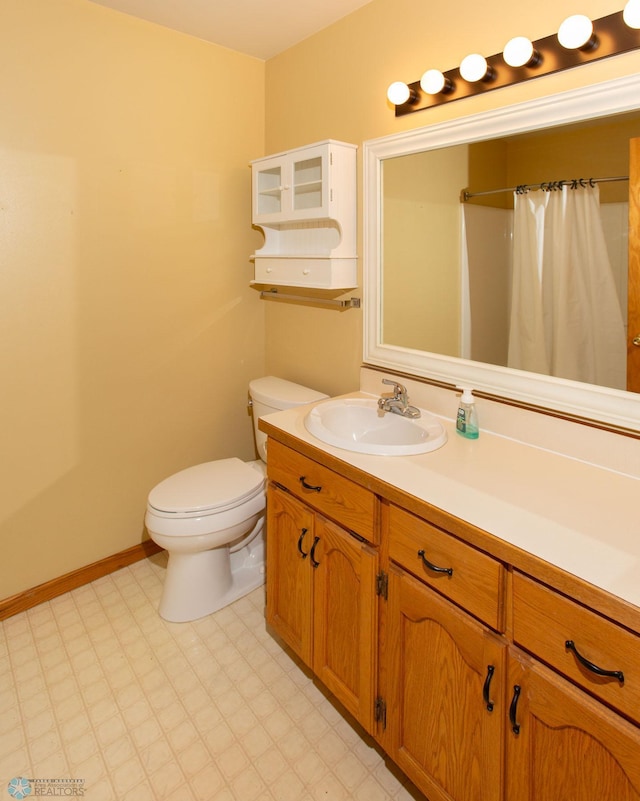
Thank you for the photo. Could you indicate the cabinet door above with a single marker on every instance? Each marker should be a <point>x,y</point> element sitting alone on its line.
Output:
<point>292,186</point>
<point>345,620</point>
<point>269,189</point>
<point>309,182</point>
<point>568,745</point>
<point>445,712</point>
<point>290,535</point>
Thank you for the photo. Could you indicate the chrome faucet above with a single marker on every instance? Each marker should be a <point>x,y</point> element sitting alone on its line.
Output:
<point>399,402</point>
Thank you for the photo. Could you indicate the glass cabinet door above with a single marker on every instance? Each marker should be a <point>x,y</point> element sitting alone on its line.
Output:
<point>269,191</point>
<point>307,183</point>
<point>292,187</point>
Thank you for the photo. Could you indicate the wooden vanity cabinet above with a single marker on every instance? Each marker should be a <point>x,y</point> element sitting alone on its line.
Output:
<point>321,586</point>
<point>464,656</point>
<point>592,651</point>
<point>333,495</point>
<point>289,576</point>
<point>445,700</point>
<point>563,744</point>
<point>445,669</point>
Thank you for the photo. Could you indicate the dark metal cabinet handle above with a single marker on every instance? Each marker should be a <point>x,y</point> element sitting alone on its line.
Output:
<point>615,674</point>
<point>485,690</point>
<point>309,486</point>
<point>316,540</point>
<point>435,568</point>
<point>303,534</point>
<point>513,709</point>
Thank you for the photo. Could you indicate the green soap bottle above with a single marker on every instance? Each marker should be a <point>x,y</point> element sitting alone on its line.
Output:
<point>467,419</point>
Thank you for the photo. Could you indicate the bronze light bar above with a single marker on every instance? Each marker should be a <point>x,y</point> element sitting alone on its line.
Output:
<point>612,36</point>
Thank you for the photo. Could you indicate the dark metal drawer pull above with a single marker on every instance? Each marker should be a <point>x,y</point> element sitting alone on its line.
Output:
<point>303,534</point>
<point>309,486</point>
<point>513,709</point>
<point>615,674</point>
<point>485,690</point>
<point>316,540</point>
<point>435,568</point>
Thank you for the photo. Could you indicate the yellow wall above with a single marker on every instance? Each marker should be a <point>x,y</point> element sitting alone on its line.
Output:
<point>128,330</point>
<point>596,149</point>
<point>421,247</point>
<point>334,84</point>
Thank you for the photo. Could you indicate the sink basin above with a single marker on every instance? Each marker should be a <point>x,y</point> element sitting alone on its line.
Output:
<point>356,424</point>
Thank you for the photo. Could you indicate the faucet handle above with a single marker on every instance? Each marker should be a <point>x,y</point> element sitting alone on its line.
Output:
<point>399,391</point>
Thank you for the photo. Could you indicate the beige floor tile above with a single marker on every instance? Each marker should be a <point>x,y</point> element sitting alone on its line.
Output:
<point>95,686</point>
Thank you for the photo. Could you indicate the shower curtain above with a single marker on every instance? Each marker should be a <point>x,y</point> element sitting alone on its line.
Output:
<point>565,313</point>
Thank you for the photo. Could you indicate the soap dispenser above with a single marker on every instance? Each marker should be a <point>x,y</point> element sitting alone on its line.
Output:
<point>467,419</point>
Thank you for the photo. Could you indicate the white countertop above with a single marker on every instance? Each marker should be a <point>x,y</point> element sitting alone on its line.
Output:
<point>576,516</point>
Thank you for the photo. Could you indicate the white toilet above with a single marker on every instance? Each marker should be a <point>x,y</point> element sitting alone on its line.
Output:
<point>210,518</point>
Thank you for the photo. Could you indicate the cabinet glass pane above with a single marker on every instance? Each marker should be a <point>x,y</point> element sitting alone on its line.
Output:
<point>307,183</point>
<point>270,191</point>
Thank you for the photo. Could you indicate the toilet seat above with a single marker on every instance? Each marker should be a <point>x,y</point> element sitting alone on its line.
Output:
<point>206,489</point>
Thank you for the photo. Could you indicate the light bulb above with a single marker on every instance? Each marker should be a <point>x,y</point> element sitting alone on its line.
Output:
<point>433,82</point>
<point>474,67</point>
<point>518,52</point>
<point>631,14</point>
<point>576,32</point>
<point>398,93</point>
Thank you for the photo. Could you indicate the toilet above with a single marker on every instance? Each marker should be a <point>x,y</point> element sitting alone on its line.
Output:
<point>210,518</point>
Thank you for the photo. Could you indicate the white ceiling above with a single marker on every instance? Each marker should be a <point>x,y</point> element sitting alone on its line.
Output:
<point>260,28</point>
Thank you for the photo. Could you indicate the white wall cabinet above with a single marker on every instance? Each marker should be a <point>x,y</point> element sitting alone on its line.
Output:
<point>304,200</point>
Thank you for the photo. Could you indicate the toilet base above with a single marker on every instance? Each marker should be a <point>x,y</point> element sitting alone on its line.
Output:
<point>198,584</point>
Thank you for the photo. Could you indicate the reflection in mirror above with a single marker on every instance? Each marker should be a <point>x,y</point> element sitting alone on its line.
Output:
<point>449,232</point>
<point>452,294</point>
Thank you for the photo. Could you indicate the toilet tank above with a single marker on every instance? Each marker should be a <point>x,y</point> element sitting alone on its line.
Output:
<point>271,394</point>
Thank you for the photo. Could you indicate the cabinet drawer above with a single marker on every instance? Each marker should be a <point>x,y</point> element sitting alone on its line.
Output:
<point>339,498</point>
<point>324,273</point>
<point>475,581</point>
<point>544,621</point>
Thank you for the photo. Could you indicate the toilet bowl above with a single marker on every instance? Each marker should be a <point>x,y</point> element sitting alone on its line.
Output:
<point>210,519</point>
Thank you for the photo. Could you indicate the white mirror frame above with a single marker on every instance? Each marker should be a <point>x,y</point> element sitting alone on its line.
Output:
<point>613,408</point>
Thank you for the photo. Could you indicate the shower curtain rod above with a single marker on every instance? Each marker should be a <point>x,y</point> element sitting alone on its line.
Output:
<point>549,185</point>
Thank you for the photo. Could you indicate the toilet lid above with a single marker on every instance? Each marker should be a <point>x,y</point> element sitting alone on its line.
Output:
<point>207,488</point>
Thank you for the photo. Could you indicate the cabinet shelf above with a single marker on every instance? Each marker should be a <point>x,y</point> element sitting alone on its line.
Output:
<point>310,186</point>
<point>275,192</point>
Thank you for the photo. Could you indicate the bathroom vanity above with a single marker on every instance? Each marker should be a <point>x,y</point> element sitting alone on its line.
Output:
<point>476,609</point>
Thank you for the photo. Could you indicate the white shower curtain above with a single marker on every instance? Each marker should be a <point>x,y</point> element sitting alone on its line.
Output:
<point>565,313</point>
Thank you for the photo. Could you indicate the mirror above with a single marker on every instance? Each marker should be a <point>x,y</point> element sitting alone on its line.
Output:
<point>418,297</point>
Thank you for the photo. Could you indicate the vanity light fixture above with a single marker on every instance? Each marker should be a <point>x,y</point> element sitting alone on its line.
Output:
<point>576,33</point>
<point>474,67</point>
<point>520,52</point>
<point>399,93</point>
<point>523,60</point>
<point>433,82</point>
<point>631,14</point>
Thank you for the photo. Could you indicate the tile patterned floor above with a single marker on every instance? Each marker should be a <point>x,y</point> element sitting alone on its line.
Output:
<point>95,687</point>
